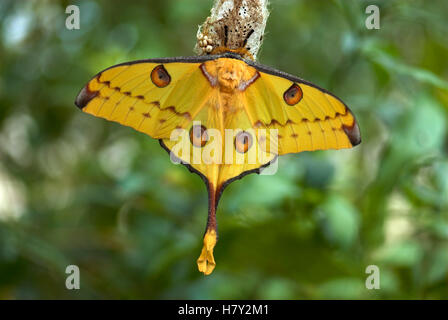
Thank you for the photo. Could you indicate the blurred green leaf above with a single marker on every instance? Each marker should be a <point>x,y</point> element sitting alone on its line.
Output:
<point>339,221</point>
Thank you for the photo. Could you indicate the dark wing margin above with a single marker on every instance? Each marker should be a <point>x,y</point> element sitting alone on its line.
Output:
<point>204,178</point>
<point>85,95</point>
<point>352,132</point>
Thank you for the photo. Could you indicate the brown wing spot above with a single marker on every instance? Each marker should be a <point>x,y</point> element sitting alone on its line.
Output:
<point>353,133</point>
<point>146,115</point>
<point>198,135</point>
<point>85,96</point>
<point>258,124</point>
<point>293,95</point>
<point>294,135</point>
<point>186,115</point>
<point>160,77</point>
<point>162,120</point>
<point>243,141</point>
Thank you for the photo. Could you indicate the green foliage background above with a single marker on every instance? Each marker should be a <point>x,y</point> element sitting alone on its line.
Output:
<point>75,189</point>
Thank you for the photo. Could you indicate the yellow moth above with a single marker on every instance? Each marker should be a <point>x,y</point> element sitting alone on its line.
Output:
<point>222,89</point>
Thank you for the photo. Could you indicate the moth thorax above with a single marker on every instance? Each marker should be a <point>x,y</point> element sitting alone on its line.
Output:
<point>229,74</point>
<point>236,25</point>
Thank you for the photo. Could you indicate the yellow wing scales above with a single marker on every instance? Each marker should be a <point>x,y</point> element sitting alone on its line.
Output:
<point>125,94</point>
<point>319,121</point>
<point>157,98</point>
<point>197,100</point>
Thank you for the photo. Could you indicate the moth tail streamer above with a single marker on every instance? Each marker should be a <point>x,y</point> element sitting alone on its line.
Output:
<point>206,261</point>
